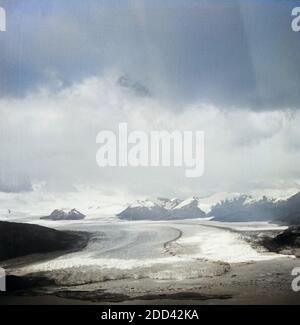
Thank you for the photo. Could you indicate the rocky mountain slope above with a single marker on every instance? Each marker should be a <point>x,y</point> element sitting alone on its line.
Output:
<point>20,239</point>
<point>63,215</point>
<point>245,208</point>
<point>163,209</point>
<point>227,207</point>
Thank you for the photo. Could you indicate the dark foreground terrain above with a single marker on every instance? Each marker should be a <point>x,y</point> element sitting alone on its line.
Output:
<point>19,239</point>
<point>287,242</point>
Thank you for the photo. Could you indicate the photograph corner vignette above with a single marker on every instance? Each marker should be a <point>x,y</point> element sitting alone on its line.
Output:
<point>149,165</point>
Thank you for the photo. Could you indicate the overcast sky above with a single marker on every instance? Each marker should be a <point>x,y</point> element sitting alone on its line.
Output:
<point>229,68</point>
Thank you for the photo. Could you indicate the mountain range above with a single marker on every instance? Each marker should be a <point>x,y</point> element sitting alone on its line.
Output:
<point>231,207</point>
<point>163,209</point>
<point>244,208</point>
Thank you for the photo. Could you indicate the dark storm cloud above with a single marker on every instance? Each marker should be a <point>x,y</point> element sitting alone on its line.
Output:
<point>230,53</point>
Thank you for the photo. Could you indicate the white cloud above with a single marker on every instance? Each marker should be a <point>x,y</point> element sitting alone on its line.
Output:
<point>49,137</point>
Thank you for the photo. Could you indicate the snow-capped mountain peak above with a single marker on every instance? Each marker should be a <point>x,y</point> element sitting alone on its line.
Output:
<point>162,209</point>
<point>64,215</point>
<point>156,202</point>
<point>190,201</point>
<point>143,203</point>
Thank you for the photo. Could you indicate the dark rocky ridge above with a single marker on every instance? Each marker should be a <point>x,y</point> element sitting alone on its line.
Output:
<point>19,239</point>
<point>134,86</point>
<point>287,242</point>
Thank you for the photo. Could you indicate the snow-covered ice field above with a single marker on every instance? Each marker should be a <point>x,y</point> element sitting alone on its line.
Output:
<point>150,249</point>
